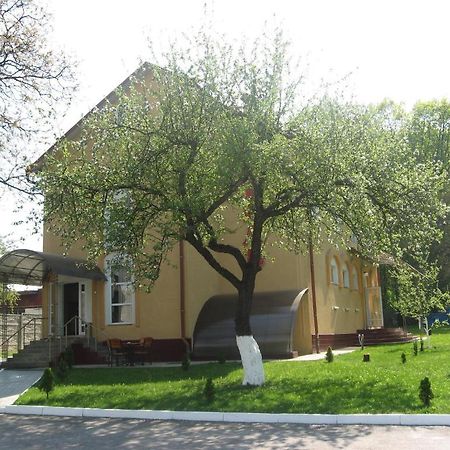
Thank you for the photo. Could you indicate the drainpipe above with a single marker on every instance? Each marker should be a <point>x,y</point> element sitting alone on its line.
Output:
<point>313,292</point>
<point>183,296</point>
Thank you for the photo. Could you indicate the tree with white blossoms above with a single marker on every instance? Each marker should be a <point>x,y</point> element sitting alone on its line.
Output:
<point>221,129</point>
<point>33,79</point>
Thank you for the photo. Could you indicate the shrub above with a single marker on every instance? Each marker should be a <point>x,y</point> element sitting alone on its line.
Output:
<point>209,390</point>
<point>415,348</point>
<point>329,355</point>
<point>47,381</point>
<point>421,344</point>
<point>62,370</point>
<point>403,357</point>
<point>186,362</point>
<point>69,357</point>
<point>425,392</point>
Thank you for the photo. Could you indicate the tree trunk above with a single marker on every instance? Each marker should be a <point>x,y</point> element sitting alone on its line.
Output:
<point>248,348</point>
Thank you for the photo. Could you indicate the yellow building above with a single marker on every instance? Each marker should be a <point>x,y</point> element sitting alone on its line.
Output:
<point>192,306</point>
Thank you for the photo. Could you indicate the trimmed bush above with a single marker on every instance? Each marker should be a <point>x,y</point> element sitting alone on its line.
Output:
<point>186,362</point>
<point>47,381</point>
<point>403,358</point>
<point>329,357</point>
<point>209,390</point>
<point>425,392</point>
<point>62,370</point>
<point>421,344</point>
<point>415,348</point>
<point>69,357</point>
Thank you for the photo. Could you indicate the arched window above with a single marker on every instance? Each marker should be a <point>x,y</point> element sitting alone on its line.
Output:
<point>345,276</point>
<point>334,272</point>
<point>119,290</point>
<point>355,279</point>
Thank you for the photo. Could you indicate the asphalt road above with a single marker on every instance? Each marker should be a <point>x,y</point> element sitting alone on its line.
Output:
<point>34,432</point>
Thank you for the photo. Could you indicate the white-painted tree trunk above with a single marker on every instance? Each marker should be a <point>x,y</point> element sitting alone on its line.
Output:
<point>251,360</point>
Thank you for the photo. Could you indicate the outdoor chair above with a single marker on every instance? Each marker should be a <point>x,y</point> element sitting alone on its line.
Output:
<point>143,352</point>
<point>117,351</point>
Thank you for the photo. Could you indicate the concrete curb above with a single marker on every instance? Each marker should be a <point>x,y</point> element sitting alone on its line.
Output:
<point>213,416</point>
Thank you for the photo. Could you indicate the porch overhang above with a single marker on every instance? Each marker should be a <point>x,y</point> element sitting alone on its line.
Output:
<point>32,268</point>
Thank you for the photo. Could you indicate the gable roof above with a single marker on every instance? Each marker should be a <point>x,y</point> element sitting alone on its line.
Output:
<point>139,72</point>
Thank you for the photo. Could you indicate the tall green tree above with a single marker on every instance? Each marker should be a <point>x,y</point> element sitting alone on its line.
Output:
<point>429,138</point>
<point>417,292</point>
<point>212,130</point>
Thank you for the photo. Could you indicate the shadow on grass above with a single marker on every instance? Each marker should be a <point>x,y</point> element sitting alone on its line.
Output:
<point>129,376</point>
<point>289,395</point>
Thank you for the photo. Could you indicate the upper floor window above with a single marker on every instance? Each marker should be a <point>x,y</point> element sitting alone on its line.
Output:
<point>119,291</point>
<point>345,276</point>
<point>355,279</point>
<point>334,271</point>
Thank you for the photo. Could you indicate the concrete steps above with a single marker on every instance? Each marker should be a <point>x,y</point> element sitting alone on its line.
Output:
<point>377,336</point>
<point>39,353</point>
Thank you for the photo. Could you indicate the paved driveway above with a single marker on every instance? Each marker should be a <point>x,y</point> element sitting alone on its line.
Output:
<point>14,382</point>
<point>33,432</point>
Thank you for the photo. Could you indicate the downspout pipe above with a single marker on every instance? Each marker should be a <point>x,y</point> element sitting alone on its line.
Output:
<point>313,292</point>
<point>183,296</point>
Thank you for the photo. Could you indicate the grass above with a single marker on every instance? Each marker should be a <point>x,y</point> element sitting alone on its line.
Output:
<point>347,385</point>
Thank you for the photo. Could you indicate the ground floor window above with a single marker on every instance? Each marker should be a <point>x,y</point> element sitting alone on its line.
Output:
<point>120,294</point>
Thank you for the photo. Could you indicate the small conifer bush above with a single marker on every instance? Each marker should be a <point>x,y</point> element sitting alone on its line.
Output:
<point>209,390</point>
<point>421,344</point>
<point>403,358</point>
<point>425,392</point>
<point>62,370</point>
<point>329,357</point>
<point>47,381</point>
<point>415,348</point>
<point>69,357</point>
<point>186,362</point>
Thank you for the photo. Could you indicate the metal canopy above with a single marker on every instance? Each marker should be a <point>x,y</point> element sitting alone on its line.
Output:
<point>33,268</point>
<point>272,321</point>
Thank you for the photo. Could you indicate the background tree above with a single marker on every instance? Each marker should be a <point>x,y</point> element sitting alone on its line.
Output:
<point>429,138</point>
<point>418,293</point>
<point>216,133</point>
<point>32,79</point>
<point>8,296</point>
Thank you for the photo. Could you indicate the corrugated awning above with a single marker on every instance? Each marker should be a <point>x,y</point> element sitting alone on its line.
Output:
<point>33,268</point>
<point>272,321</point>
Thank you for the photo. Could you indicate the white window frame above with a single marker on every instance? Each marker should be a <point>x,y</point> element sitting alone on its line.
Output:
<point>334,271</point>
<point>108,297</point>
<point>345,276</point>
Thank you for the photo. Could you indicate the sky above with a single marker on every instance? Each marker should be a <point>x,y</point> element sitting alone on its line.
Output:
<point>386,49</point>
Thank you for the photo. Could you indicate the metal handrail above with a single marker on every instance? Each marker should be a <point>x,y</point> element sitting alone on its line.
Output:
<point>100,331</point>
<point>89,325</point>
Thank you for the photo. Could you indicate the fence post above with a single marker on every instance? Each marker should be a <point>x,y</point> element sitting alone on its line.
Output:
<point>19,332</point>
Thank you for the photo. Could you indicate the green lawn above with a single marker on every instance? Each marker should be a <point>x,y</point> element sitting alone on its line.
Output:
<point>347,385</point>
